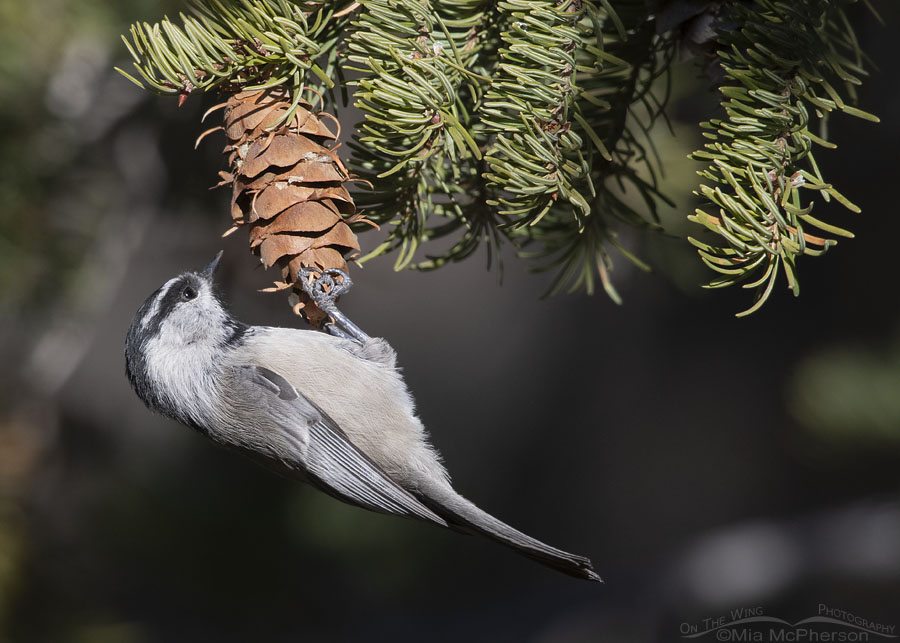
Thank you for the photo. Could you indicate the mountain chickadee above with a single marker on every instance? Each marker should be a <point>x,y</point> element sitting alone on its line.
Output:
<point>328,409</point>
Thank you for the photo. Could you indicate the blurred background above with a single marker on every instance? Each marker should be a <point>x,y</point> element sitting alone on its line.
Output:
<point>706,464</point>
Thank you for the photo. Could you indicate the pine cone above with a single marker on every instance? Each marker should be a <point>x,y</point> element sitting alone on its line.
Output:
<point>288,188</point>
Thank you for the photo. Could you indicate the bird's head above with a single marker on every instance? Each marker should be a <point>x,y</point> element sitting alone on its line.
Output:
<point>180,332</point>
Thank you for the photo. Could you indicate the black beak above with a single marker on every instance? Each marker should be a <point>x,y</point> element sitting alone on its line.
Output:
<point>210,269</point>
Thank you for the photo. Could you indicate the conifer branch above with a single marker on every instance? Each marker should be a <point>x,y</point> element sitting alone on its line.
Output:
<point>493,120</point>
<point>782,67</point>
<point>415,145</point>
<point>234,46</point>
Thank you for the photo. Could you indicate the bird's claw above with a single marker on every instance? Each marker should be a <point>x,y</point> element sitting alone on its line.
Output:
<point>323,291</point>
<point>325,288</point>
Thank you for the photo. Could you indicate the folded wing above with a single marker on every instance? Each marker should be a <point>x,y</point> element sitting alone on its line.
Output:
<point>328,458</point>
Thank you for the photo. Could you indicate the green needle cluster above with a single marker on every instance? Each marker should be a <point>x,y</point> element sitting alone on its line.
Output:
<point>528,122</point>
<point>782,65</point>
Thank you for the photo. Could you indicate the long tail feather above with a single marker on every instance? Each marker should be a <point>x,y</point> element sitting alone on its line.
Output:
<point>464,514</point>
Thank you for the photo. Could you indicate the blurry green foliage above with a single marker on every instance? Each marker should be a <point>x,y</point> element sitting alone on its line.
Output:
<point>56,56</point>
<point>849,394</point>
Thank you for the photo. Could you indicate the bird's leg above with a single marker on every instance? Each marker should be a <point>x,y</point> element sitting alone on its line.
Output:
<point>324,290</point>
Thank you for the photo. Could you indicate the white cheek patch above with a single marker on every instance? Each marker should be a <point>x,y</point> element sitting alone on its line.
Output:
<point>182,374</point>
<point>154,309</point>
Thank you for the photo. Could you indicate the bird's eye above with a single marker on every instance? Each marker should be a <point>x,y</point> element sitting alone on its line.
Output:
<point>188,293</point>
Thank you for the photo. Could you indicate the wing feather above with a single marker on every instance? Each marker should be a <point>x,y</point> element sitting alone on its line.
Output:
<point>330,460</point>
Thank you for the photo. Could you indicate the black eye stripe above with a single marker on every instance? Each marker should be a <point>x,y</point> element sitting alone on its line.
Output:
<point>175,296</point>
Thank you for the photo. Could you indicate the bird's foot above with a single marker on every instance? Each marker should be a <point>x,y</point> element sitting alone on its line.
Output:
<point>324,290</point>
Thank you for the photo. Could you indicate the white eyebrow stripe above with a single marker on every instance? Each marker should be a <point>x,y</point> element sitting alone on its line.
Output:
<point>156,302</point>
